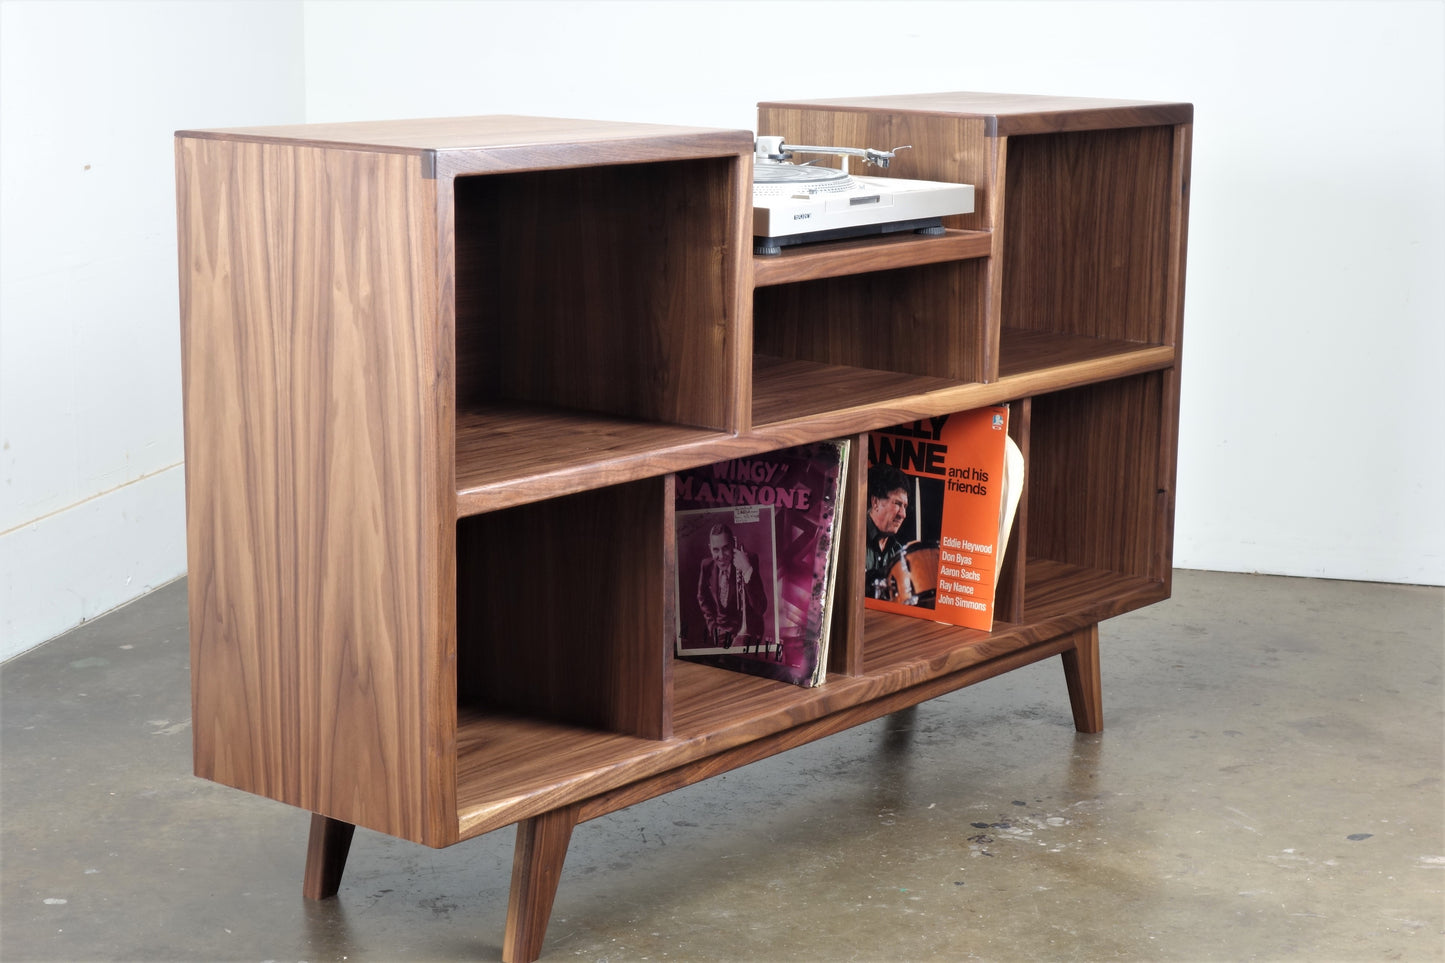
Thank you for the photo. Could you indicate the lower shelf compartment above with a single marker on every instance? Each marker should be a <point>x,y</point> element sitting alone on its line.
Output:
<point>511,768</point>
<point>1057,590</point>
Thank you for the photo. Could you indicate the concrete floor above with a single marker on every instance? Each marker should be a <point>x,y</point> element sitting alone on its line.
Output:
<point>1268,787</point>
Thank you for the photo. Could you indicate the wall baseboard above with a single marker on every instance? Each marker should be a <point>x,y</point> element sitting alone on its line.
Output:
<point>78,564</point>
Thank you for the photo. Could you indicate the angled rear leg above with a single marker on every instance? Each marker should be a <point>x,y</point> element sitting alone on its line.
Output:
<point>326,852</point>
<point>1081,672</point>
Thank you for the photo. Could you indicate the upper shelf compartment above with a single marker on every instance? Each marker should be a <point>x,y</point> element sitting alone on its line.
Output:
<point>1092,234</point>
<point>612,289</point>
<point>600,308</point>
<point>1086,198</point>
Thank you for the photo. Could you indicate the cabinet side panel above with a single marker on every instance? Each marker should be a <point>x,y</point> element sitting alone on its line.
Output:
<point>314,393</point>
<point>1179,244</point>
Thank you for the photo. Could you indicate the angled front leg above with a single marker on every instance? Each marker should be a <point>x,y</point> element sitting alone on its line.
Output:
<point>326,852</point>
<point>536,869</point>
<point>1081,672</point>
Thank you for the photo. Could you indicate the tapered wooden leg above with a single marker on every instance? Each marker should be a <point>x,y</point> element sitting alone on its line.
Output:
<point>1081,672</point>
<point>536,869</point>
<point>326,856</point>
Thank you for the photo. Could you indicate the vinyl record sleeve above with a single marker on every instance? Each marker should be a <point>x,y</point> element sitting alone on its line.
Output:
<point>756,560</point>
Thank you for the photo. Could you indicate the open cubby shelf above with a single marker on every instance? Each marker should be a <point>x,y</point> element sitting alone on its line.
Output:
<point>511,766</point>
<point>440,374</point>
<point>509,454</point>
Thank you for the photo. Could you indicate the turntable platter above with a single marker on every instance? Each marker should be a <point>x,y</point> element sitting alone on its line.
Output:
<point>774,178</point>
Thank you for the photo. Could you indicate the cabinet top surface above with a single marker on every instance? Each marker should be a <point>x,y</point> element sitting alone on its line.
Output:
<point>1012,113</point>
<point>493,132</point>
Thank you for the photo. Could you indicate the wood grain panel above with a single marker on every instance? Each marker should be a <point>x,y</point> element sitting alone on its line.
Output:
<point>1081,675</point>
<point>313,397</point>
<point>852,715</point>
<point>541,851</point>
<point>810,262</point>
<point>613,289</point>
<point>511,454</point>
<point>561,608</point>
<point>327,846</point>
<point>1163,564</point>
<point>1024,351</point>
<point>453,146</point>
<point>921,320</point>
<point>1094,478</point>
<point>513,767</point>
<point>1087,246</point>
<point>1007,114</point>
<point>793,397</point>
<point>794,391</point>
<point>1057,590</point>
<point>991,286</point>
<point>1169,443</point>
<point>1179,181</point>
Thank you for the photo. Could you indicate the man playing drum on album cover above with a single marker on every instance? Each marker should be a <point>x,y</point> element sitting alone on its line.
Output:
<point>901,567</point>
<point>887,510</point>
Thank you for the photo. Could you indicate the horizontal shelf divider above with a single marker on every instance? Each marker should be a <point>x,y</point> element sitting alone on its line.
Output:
<point>832,400</point>
<point>509,455</point>
<point>906,661</point>
<point>1023,351</point>
<point>812,262</point>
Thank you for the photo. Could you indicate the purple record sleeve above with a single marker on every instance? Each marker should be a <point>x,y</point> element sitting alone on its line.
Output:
<point>756,551</point>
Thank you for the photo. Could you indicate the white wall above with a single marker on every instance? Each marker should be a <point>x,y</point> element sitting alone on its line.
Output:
<point>1313,419</point>
<point>1311,439</point>
<point>91,493</point>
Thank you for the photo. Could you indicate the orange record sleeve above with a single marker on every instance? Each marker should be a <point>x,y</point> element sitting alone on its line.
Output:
<point>935,510</point>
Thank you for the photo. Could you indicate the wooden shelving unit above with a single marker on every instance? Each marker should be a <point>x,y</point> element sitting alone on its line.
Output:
<point>431,367</point>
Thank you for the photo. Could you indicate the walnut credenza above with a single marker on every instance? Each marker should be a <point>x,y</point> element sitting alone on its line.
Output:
<point>427,362</point>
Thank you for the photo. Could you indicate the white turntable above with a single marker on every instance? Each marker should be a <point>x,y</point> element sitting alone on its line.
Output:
<point>801,203</point>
